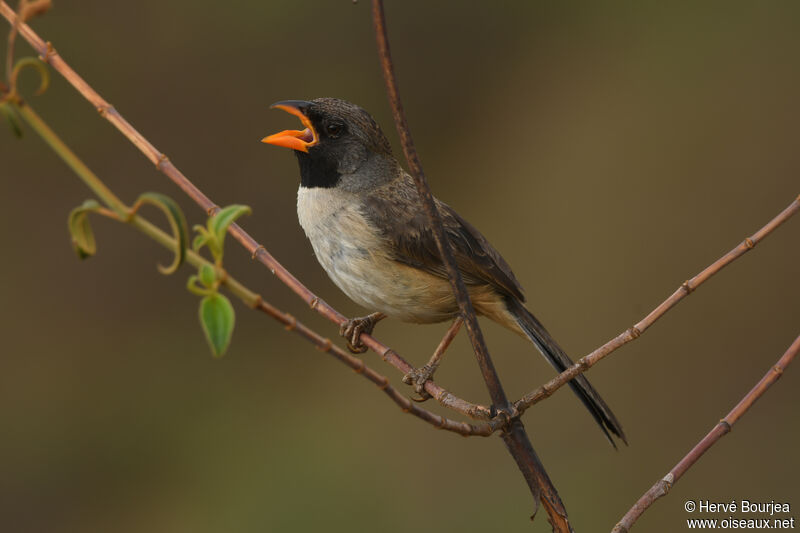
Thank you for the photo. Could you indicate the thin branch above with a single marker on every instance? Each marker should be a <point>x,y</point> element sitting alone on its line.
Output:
<point>418,378</point>
<point>662,486</point>
<point>12,38</point>
<point>434,219</point>
<point>120,212</point>
<point>48,54</point>
<point>634,332</point>
<point>515,438</point>
<point>483,429</point>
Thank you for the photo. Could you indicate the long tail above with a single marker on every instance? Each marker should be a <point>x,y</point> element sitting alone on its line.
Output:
<point>535,331</point>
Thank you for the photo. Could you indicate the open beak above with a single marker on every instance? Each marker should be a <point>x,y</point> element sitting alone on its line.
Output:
<point>294,139</point>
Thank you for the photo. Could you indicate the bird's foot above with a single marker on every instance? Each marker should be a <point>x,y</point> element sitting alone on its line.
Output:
<point>354,327</point>
<point>418,377</point>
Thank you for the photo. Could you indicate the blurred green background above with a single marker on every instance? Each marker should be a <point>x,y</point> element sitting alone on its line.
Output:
<point>608,150</point>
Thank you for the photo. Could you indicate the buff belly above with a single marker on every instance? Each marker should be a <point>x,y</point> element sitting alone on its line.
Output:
<point>357,260</point>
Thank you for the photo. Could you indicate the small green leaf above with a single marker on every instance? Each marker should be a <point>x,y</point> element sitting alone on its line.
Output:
<point>207,275</point>
<point>11,116</point>
<point>44,75</point>
<point>218,224</point>
<point>81,231</point>
<point>176,221</point>
<point>200,240</point>
<point>217,318</point>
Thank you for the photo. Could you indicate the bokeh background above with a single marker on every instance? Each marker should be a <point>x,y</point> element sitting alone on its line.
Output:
<point>608,150</point>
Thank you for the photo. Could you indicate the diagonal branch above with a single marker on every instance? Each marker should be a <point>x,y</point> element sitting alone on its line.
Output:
<point>121,213</point>
<point>483,429</point>
<point>662,486</point>
<point>515,438</point>
<point>634,332</point>
<point>443,245</point>
<point>48,54</point>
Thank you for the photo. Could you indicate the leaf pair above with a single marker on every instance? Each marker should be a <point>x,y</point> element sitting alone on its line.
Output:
<point>213,234</point>
<point>216,312</point>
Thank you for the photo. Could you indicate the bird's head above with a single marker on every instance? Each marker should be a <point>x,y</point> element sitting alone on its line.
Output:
<point>339,139</point>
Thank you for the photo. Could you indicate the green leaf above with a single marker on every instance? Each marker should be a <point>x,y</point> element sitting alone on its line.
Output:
<point>200,240</point>
<point>11,116</point>
<point>44,75</point>
<point>176,221</point>
<point>218,224</point>
<point>217,318</point>
<point>207,275</point>
<point>81,231</point>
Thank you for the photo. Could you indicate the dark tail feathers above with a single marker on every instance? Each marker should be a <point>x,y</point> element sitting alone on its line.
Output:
<point>556,356</point>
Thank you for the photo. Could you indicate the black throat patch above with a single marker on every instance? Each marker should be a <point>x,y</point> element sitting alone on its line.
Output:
<point>317,171</point>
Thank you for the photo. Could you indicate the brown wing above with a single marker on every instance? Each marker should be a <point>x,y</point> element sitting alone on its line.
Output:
<point>396,210</point>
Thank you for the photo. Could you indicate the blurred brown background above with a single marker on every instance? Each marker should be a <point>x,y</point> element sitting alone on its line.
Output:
<point>609,151</point>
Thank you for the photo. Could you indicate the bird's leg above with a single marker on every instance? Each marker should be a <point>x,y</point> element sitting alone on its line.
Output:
<point>354,327</point>
<point>420,376</point>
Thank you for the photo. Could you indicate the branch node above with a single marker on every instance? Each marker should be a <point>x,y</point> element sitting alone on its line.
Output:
<point>668,480</point>
<point>104,108</point>
<point>257,302</point>
<point>748,242</point>
<point>49,52</point>
<point>385,384</point>
<point>162,158</point>
<point>314,302</point>
<point>360,368</point>
<point>255,252</point>
<point>507,416</point>
<point>634,332</point>
<point>386,353</point>
<point>327,345</point>
<point>687,287</point>
<point>211,211</point>
<point>726,426</point>
<point>292,325</point>
<point>778,369</point>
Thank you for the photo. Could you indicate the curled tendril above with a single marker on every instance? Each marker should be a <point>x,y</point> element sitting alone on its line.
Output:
<point>176,221</point>
<point>27,9</point>
<point>44,74</point>
<point>10,92</point>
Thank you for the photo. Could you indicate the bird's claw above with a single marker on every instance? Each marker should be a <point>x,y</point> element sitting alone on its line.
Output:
<point>354,327</point>
<point>418,377</point>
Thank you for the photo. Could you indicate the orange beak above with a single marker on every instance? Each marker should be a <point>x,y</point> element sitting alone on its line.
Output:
<point>294,139</point>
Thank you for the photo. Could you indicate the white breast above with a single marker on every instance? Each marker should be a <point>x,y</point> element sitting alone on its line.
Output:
<point>355,258</point>
<point>341,239</point>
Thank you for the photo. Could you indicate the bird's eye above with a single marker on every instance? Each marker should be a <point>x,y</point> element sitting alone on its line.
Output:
<point>334,129</point>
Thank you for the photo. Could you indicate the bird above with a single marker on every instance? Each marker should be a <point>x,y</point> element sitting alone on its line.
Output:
<point>363,216</point>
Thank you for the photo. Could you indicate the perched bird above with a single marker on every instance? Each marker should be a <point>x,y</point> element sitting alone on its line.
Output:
<point>363,216</point>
